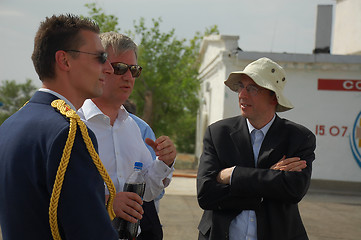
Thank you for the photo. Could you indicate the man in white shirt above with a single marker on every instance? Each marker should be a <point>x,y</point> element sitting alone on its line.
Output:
<point>119,137</point>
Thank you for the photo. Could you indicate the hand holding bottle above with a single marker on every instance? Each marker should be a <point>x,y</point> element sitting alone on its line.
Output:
<point>135,184</point>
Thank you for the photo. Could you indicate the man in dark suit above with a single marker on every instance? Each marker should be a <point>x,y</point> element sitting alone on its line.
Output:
<point>71,62</point>
<point>256,167</point>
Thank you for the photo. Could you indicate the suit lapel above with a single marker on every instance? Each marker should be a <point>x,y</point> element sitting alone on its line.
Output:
<point>242,141</point>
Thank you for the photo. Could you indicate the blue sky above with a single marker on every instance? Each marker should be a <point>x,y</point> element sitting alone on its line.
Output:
<point>262,25</point>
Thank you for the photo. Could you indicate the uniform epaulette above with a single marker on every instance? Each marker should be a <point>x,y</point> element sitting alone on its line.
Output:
<point>75,120</point>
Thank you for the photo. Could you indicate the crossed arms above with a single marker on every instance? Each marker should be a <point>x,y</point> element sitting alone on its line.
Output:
<point>223,184</point>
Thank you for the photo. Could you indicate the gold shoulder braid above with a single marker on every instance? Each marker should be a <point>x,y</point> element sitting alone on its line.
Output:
<point>54,200</point>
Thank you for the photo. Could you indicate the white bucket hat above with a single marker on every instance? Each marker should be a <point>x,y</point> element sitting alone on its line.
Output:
<point>267,74</point>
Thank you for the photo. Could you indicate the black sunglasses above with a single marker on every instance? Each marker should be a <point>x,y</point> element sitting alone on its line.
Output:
<point>102,57</point>
<point>121,68</point>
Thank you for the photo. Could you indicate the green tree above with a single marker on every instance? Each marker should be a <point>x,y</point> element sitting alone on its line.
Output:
<point>166,93</point>
<point>167,90</point>
<point>106,23</point>
<point>13,96</point>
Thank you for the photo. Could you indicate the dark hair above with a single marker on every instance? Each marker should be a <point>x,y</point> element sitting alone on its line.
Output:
<point>54,34</point>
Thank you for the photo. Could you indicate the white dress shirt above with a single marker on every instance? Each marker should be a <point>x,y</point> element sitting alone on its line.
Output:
<point>120,146</point>
<point>244,226</point>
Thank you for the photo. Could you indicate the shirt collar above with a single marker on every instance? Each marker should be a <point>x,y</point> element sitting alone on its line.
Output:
<point>90,110</point>
<point>264,129</point>
<point>59,96</point>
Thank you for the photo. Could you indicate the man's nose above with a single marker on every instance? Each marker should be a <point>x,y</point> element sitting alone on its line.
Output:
<point>107,67</point>
<point>243,92</point>
<point>128,74</point>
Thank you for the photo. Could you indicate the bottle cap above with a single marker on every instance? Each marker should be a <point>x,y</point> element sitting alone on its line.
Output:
<point>138,165</point>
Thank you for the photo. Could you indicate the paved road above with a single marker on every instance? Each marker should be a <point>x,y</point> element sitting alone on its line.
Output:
<point>326,216</point>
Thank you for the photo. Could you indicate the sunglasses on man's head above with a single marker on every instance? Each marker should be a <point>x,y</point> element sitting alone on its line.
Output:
<point>102,56</point>
<point>121,68</point>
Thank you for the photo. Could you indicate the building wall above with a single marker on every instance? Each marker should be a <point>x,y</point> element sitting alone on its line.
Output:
<point>330,115</point>
<point>347,27</point>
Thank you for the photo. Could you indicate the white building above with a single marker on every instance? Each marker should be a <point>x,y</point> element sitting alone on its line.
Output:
<point>324,88</point>
<point>347,27</point>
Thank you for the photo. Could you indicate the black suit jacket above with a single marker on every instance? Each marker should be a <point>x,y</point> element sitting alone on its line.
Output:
<point>272,194</point>
<point>31,145</point>
<point>150,223</point>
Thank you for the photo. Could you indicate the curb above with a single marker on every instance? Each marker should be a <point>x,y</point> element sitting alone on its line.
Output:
<point>185,175</point>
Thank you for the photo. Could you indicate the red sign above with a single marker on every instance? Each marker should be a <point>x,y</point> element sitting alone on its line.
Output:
<point>339,85</point>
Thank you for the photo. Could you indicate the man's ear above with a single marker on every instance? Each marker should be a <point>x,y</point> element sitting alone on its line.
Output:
<point>62,60</point>
<point>274,100</point>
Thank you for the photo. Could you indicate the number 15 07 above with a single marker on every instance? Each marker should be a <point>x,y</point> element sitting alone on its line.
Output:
<point>334,131</point>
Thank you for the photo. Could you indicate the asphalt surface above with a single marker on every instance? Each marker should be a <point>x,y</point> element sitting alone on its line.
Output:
<point>326,215</point>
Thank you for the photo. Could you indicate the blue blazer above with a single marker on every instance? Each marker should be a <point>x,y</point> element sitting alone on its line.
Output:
<point>31,145</point>
<point>272,194</point>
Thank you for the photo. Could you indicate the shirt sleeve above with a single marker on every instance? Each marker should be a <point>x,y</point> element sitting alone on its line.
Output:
<point>147,132</point>
<point>154,175</point>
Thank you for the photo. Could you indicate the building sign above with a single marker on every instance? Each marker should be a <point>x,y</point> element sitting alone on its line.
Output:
<point>355,139</point>
<point>339,85</point>
<point>355,135</point>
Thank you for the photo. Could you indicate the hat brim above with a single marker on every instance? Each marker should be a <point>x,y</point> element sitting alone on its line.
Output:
<point>232,82</point>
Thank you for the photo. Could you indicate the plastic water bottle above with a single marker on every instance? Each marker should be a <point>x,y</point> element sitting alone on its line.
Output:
<point>135,183</point>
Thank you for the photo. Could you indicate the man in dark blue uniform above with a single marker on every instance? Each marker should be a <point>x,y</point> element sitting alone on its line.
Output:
<point>71,63</point>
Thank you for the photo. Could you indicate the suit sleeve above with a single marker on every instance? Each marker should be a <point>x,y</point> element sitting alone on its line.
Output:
<point>212,195</point>
<point>81,211</point>
<point>276,185</point>
<point>251,185</point>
